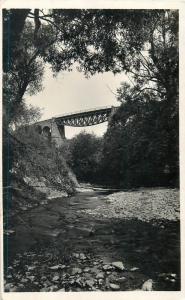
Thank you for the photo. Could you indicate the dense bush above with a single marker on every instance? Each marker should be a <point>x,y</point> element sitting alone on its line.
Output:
<point>142,145</point>
<point>84,155</point>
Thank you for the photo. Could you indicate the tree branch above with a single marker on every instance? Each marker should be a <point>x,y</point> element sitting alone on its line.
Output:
<point>37,23</point>
<point>111,90</point>
<point>148,88</point>
<point>150,78</point>
<point>51,22</point>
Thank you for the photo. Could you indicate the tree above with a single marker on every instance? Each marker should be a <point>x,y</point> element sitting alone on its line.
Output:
<point>13,24</point>
<point>141,43</point>
<point>25,76</point>
<point>85,158</point>
<point>140,145</point>
<point>144,44</point>
<point>25,115</point>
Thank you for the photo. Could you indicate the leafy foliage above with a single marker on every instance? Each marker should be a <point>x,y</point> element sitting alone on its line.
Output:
<point>142,140</point>
<point>25,114</point>
<point>142,43</point>
<point>84,156</point>
<point>25,76</point>
<point>141,143</point>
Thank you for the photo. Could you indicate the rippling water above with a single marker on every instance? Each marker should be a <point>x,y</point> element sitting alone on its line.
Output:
<point>63,224</point>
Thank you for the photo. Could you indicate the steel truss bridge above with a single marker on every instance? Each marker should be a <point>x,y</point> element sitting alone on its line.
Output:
<point>86,117</point>
<point>54,128</point>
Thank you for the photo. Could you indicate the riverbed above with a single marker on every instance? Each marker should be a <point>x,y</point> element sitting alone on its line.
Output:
<point>75,233</point>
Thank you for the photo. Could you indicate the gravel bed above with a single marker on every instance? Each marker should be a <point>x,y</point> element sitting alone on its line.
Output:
<point>145,205</point>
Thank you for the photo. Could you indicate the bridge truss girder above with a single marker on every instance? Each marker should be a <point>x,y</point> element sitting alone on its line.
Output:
<point>82,120</point>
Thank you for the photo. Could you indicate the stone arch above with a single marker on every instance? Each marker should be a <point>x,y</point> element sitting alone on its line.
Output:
<point>46,131</point>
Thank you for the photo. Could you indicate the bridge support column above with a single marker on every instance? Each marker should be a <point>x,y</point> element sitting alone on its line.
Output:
<point>61,129</point>
<point>57,133</point>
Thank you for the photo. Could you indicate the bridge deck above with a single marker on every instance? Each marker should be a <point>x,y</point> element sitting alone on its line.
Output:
<point>82,118</point>
<point>80,112</point>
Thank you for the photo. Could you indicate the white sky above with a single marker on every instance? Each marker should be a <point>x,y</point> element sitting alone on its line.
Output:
<point>71,91</point>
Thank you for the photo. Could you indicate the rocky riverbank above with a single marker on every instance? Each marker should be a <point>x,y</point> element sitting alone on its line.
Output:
<point>78,272</point>
<point>159,204</point>
<point>88,243</point>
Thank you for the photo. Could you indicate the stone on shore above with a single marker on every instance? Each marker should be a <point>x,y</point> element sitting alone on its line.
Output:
<point>114,287</point>
<point>76,271</point>
<point>118,265</point>
<point>147,285</point>
<point>134,269</point>
<point>100,275</point>
<point>107,267</point>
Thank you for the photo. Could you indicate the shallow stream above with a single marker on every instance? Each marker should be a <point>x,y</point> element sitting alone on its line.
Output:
<point>63,224</point>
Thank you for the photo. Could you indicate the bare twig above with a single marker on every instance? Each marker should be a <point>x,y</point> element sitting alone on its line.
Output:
<point>111,90</point>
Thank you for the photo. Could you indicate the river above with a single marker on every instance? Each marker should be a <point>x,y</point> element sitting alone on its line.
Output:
<point>61,224</point>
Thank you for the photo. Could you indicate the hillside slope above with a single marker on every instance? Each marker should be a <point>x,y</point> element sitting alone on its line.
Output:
<point>34,171</point>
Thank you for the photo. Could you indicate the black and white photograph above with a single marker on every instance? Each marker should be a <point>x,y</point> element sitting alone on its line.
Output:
<point>90,143</point>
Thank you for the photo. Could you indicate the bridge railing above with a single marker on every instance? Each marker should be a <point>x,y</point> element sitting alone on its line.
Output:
<point>76,113</point>
<point>83,111</point>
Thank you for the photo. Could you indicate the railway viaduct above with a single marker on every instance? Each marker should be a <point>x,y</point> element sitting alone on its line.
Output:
<point>54,128</point>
